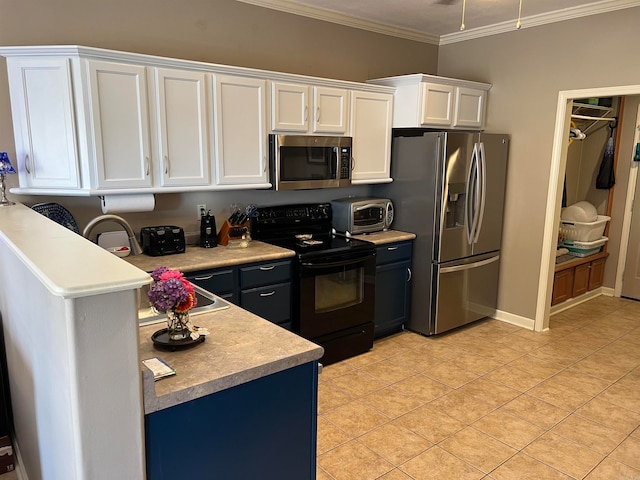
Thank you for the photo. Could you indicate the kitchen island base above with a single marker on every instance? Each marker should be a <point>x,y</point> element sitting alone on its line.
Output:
<point>265,429</point>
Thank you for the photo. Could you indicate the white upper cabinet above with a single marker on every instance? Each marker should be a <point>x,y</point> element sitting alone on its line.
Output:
<point>437,102</point>
<point>371,115</point>
<point>89,121</point>
<point>240,130</point>
<point>181,127</point>
<point>470,107</point>
<point>44,122</point>
<point>119,116</point>
<point>305,109</point>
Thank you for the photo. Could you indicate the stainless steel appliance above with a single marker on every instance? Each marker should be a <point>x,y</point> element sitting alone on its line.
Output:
<point>299,162</point>
<point>334,292</point>
<point>354,215</point>
<point>448,189</point>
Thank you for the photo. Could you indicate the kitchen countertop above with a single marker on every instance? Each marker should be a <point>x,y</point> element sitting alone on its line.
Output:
<point>390,236</point>
<point>198,258</point>
<point>241,347</point>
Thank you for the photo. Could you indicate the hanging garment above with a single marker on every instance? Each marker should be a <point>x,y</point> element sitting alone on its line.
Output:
<point>606,176</point>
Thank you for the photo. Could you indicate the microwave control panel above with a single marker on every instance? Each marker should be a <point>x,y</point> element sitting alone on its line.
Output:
<point>345,163</point>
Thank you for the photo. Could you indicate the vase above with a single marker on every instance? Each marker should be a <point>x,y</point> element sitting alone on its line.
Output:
<point>178,325</point>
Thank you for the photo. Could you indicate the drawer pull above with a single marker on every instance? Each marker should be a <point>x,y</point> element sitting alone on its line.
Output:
<point>408,274</point>
<point>268,294</point>
<point>267,268</point>
<point>207,277</point>
<point>391,249</point>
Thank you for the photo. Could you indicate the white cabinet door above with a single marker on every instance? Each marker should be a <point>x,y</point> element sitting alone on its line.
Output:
<point>289,107</point>
<point>371,119</point>
<point>470,106</point>
<point>181,123</point>
<point>436,104</point>
<point>330,112</point>
<point>44,122</point>
<point>119,116</point>
<point>240,130</point>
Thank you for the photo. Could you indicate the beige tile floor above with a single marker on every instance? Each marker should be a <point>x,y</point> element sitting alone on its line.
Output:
<point>490,401</point>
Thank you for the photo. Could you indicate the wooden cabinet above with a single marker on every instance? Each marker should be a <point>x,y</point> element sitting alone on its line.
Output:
<point>261,288</point>
<point>393,276</point>
<point>431,101</point>
<point>308,109</point>
<point>181,118</point>
<point>44,123</point>
<point>240,130</point>
<point>577,277</point>
<point>371,117</point>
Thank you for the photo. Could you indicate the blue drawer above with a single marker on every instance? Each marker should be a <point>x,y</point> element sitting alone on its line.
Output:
<point>265,274</point>
<point>393,252</point>
<point>219,281</point>
<point>272,302</point>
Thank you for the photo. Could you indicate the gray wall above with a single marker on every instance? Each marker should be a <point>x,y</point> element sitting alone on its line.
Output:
<point>217,31</point>
<point>527,69</point>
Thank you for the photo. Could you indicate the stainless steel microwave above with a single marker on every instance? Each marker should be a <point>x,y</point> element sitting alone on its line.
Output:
<point>300,162</point>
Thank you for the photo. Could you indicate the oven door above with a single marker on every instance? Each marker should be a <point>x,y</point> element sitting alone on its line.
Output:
<point>336,293</point>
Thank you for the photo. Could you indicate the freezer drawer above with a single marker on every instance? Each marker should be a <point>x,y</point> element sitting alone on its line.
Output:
<point>464,292</point>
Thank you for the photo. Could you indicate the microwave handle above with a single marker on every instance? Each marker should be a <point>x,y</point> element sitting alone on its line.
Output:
<point>363,207</point>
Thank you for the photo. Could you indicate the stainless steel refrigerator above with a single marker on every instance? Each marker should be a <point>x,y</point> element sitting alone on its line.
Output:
<point>448,188</point>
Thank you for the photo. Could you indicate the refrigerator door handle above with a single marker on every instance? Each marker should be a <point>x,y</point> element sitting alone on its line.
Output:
<point>470,200</point>
<point>483,192</point>
<point>469,266</point>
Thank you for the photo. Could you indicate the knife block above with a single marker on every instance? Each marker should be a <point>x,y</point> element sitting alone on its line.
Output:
<point>229,233</point>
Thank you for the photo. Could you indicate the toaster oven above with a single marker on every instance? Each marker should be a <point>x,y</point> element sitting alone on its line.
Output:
<point>354,215</point>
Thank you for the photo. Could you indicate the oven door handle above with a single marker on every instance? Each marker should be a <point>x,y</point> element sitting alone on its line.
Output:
<point>342,263</point>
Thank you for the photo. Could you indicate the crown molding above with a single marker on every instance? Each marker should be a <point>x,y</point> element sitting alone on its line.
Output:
<point>295,8</point>
<point>346,20</point>
<point>540,19</point>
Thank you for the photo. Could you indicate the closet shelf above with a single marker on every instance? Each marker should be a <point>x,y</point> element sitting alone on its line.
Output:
<point>587,116</point>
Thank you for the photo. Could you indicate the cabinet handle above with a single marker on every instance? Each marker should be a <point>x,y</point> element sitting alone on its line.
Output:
<point>268,294</point>
<point>391,249</point>
<point>146,162</point>
<point>306,114</point>
<point>318,114</point>
<point>208,277</point>
<point>26,164</point>
<point>166,164</point>
<point>408,274</point>
<point>264,162</point>
<point>267,267</point>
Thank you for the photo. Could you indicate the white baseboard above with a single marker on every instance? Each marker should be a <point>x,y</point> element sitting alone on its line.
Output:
<point>17,460</point>
<point>513,319</point>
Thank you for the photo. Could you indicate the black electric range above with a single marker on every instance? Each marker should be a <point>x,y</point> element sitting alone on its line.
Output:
<point>335,277</point>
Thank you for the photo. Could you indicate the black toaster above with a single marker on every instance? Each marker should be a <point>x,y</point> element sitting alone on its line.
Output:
<point>162,240</point>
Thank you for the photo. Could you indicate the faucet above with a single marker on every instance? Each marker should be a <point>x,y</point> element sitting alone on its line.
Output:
<point>136,249</point>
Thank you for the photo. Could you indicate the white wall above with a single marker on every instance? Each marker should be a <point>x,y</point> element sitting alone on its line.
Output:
<point>527,69</point>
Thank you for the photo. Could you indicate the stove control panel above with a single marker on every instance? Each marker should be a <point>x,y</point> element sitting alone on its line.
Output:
<point>291,219</point>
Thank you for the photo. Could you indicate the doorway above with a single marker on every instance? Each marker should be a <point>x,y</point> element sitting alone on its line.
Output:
<point>554,193</point>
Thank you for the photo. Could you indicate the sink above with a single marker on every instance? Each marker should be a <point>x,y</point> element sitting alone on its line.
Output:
<point>207,302</point>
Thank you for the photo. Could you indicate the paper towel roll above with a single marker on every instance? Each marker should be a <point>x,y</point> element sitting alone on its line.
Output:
<point>128,203</point>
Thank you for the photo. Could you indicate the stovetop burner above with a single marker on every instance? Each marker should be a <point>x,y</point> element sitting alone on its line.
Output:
<point>304,228</point>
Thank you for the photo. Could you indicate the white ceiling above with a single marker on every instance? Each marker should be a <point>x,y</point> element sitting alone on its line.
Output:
<point>438,21</point>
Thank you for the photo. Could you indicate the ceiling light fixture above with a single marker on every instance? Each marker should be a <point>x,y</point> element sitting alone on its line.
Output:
<point>464,9</point>
<point>519,23</point>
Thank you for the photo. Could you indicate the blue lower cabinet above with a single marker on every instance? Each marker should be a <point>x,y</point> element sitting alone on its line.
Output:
<point>393,274</point>
<point>261,430</point>
<point>272,302</point>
